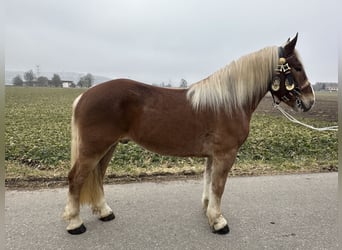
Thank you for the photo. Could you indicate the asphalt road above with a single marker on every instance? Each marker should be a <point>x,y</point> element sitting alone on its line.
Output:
<point>270,212</point>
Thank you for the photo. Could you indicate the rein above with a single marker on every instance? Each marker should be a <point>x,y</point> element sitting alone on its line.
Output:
<point>294,120</point>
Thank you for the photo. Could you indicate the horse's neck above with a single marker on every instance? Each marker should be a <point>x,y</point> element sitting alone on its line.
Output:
<point>261,66</point>
<point>238,87</point>
<point>253,105</point>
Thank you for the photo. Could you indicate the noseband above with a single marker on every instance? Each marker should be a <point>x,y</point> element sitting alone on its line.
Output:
<point>283,85</point>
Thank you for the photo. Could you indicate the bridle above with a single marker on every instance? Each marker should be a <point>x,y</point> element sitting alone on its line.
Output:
<point>283,84</point>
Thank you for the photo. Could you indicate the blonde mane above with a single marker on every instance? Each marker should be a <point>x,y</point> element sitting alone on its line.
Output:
<point>242,82</point>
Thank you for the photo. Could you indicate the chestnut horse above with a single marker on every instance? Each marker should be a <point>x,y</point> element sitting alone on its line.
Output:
<point>210,119</point>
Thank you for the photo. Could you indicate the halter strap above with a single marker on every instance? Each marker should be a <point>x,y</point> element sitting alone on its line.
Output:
<point>281,52</point>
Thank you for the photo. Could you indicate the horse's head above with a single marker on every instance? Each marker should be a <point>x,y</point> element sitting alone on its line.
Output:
<point>290,83</point>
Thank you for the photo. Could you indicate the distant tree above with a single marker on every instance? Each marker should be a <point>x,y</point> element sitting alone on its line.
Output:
<point>72,85</point>
<point>56,81</point>
<point>42,81</point>
<point>17,81</point>
<point>166,85</point>
<point>183,83</point>
<point>29,77</point>
<point>86,81</point>
<point>323,86</point>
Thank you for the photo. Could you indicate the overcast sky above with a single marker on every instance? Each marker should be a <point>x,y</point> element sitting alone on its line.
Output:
<point>158,41</point>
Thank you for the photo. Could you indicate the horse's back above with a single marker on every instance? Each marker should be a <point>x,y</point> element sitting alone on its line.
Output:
<point>122,102</point>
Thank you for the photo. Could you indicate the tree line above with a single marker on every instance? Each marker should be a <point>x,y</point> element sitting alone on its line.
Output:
<point>30,79</point>
<point>183,84</point>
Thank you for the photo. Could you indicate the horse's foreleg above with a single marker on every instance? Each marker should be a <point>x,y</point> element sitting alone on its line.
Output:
<point>219,172</point>
<point>207,181</point>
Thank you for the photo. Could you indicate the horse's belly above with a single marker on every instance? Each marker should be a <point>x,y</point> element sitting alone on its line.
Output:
<point>172,144</point>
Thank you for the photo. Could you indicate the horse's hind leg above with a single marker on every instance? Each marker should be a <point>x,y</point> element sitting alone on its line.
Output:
<point>100,206</point>
<point>86,187</point>
<point>219,172</point>
<point>77,176</point>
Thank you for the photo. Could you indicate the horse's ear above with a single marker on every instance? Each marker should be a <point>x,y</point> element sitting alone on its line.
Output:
<point>290,45</point>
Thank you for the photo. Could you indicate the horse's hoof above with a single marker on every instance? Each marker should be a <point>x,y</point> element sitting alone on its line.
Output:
<point>79,230</point>
<point>109,217</point>
<point>223,230</point>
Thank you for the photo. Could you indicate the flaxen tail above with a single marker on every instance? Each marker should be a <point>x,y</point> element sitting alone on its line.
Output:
<point>74,134</point>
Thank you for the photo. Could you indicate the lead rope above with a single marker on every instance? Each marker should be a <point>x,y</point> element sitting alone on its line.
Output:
<point>294,120</point>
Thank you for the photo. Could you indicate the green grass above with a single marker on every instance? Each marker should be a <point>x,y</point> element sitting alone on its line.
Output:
<point>276,141</point>
<point>38,142</point>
